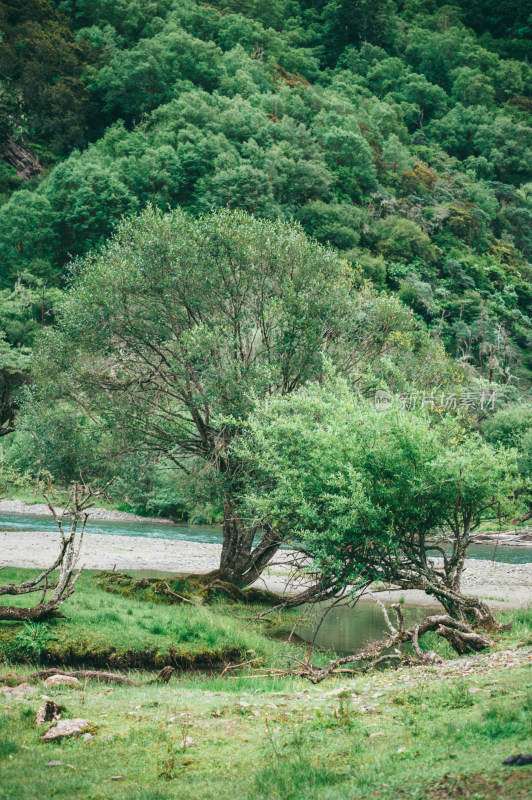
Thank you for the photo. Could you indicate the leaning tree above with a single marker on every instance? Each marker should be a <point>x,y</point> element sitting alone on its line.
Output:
<point>179,324</point>
<point>371,496</point>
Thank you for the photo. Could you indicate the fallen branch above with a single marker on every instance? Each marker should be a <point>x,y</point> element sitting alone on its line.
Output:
<point>237,666</point>
<point>180,596</point>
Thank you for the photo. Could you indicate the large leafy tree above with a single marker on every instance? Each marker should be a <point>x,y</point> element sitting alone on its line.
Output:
<point>180,323</point>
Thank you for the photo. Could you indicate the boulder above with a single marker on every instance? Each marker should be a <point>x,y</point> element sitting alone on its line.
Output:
<point>65,728</point>
<point>61,680</point>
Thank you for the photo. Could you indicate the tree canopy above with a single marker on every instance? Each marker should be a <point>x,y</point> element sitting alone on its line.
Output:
<point>180,323</point>
<point>368,494</point>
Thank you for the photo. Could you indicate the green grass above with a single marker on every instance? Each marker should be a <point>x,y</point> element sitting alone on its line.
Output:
<point>428,737</point>
<point>109,630</point>
<point>279,739</point>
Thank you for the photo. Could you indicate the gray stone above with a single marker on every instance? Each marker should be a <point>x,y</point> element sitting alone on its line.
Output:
<point>18,691</point>
<point>66,727</point>
<point>61,680</point>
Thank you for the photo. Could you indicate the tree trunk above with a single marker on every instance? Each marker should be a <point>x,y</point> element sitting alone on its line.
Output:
<point>241,563</point>
<point>470,610</point>
<point>462,638</point>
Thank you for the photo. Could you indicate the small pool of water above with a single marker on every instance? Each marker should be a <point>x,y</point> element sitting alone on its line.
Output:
<point>345,629</point>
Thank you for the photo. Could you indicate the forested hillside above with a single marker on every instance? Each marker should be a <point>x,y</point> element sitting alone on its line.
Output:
<point>397,131</point>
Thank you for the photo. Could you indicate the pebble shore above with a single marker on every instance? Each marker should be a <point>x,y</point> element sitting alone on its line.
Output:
<point>504,585</point>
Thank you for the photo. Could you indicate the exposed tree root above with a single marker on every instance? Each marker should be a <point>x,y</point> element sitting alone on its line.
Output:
<point>459,634</point>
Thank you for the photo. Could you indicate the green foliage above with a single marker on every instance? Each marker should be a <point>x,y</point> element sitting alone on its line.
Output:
<point>512,427</point>
<point>355,487</point>
<point>28,643</point>
<point>46,101</point>
<point>396,132</point>
<point>234,307</point>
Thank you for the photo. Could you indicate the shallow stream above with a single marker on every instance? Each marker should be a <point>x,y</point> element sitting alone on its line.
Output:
<point>343,629</point>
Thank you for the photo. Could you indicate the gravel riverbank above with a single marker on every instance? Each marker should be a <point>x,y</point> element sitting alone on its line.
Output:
<point>505,585</point>
<point>102,514</point>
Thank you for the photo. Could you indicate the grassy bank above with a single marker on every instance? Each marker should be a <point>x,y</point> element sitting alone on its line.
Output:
<point>435,733</point>
<point>112,630</point>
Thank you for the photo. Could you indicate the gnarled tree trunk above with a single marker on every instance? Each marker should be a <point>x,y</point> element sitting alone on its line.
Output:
<point>242,562</point>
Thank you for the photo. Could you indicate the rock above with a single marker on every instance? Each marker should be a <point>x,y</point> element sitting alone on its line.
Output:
<point>61,680</point>
<point>65,728</point>
<point>59,764</point>
<point>374,735</point>
<point>188,742</point>
<point>368,710</point>
<point>87,737</point>
<point>337,692</point>
<point>18,691</point>
<point>519,760</point>
<point>48,712</point>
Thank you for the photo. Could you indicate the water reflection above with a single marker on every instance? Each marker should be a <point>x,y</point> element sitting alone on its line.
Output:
<point>346,629</point>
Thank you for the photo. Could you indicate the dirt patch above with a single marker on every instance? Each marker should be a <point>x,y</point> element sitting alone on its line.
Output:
<point>502,786</point>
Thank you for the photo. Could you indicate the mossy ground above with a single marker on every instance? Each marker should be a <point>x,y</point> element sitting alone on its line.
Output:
<point>104,630</point>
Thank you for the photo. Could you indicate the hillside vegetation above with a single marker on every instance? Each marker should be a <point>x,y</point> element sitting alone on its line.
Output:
<point>396,131</point>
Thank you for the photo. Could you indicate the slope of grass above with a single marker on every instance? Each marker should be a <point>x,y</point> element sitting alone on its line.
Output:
<point>104,630</point>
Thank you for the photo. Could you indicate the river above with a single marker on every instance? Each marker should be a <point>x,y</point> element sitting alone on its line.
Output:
<point>343,630</point>
<point>213,534</point>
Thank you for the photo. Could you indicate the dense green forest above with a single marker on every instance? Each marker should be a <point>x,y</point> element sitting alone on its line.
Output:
<point>398,132</point>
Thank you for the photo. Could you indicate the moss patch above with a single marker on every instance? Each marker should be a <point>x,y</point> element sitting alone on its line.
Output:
<point>176,591</point>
